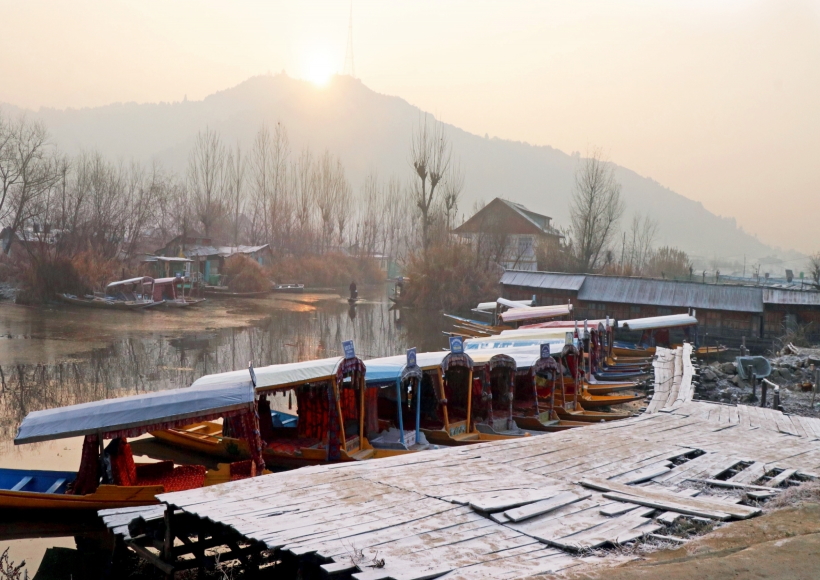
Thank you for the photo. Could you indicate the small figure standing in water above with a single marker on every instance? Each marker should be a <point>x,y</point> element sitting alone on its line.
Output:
<point>354,292</point>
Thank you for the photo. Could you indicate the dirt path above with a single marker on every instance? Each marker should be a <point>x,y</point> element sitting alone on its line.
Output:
<point>782,545</point>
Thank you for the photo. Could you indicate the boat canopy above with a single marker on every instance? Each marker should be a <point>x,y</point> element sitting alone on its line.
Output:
<point>654,322</point>
<point>278,376</point>
<point>389,369</point>
<point>529,313</point>
<point>566,324</point>
<point>140,280</point>
<point>163,281</point>
<point>137,413</point>
<point>166,259</point>
<point>504,302</point>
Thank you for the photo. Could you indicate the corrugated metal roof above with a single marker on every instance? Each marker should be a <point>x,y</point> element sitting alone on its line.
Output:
<point>542,280</point>
<point>778,296</point>
<point>671,293</point>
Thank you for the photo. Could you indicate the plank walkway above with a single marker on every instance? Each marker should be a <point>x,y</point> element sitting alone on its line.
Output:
<point>520,507</point>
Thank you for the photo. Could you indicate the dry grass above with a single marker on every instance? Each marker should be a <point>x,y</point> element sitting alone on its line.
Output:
<point>808,492</point>
<point>245,274</point>
<point>328,270</point>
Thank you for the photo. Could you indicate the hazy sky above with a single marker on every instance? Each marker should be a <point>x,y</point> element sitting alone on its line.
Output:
<point>718,100</point>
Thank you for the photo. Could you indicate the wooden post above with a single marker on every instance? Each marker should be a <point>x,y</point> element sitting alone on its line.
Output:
<point>168,544</point>
<point>337,393</point>
<point>363,394</point>
<point>469,397</point>
<point>763,389</point>
<point>398,405</point>
<point>443,396</point>
<point>535,392</point>
<point>512,396</point>
<point>418,382</point>
<point>754,386</point>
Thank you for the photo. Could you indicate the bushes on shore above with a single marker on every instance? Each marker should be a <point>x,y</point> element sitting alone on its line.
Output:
<point>327,270</point>
<point>244,274</point>
<point>451,278</point>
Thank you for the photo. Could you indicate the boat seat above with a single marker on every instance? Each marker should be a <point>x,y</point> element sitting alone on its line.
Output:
<point>55,486</point>
<point>362,454</point>
<point>22,483</point>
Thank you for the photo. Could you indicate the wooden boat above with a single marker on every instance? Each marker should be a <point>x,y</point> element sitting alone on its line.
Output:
<point>131,483</point>
<point>289,443</point>
<point>212,293</point>
<point>289,288</point>
<point>184,302</point>
<point>106,303</point>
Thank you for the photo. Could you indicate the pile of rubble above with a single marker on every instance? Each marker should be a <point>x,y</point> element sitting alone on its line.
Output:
<point>793,371</point>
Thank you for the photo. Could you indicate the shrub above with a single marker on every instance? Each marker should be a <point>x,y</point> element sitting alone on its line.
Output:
<point>328,270</point>
<point>43,278</point>
<point>244,274</point>
<point>451,278</point>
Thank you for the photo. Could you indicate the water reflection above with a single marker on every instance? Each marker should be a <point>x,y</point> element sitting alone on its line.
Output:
<point>281,330</point>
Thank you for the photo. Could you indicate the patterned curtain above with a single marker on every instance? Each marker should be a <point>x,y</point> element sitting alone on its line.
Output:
<point>88,478</point>
<point>333,440</point>
<point>247,429</point>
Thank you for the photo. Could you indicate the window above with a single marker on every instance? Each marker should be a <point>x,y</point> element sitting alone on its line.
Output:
<point>664,311</point>
<point>524,245</point>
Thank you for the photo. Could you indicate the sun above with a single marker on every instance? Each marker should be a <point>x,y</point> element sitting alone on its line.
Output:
<point>319,69</point>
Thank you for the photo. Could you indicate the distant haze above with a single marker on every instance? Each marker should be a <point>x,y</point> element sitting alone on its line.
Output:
<point>717,101</point>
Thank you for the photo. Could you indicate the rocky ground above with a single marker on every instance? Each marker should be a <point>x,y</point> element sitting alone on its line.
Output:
<point>720,382</point>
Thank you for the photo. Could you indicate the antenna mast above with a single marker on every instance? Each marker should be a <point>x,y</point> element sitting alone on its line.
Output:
<point>348,67</point>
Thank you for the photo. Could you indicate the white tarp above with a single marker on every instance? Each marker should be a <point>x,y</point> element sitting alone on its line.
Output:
<point>503,301</point>
<point>133,412</point>
<point>276,376</point>
<point>530,313</point>
<point>671,321</point>
<point>141,280</point>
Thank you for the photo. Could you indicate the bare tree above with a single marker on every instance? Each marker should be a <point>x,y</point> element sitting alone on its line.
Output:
<point>814,267</point>
<point>430,155</point>
<point>304,182</point>
<point>28,170</point>
<point>206,178</point>
<point>640,241</point>
<point>595,209</point>
<point>451,191</point>
<point>236,189</point>
<point>269,169</point>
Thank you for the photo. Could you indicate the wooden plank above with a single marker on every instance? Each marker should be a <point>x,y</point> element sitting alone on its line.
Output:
<point>780,478</point>
<point>617,508</point>
<point>732,484</point>
<point>751,474</point>
<point>545,506</point>
<point>643,495</point>
<point>668,505</point>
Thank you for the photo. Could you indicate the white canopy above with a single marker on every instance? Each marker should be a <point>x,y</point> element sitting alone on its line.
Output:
<point>671,321</point>
<point>277,376</point>
<point>505,302</point>
<point>140,280</point>
<point>133,412</point>
<point>517,314</point>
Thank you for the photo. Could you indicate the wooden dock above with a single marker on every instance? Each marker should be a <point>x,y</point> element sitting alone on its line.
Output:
<point>526,506</point>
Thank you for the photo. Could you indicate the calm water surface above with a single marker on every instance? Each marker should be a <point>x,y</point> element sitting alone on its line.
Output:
<point>62,355</point>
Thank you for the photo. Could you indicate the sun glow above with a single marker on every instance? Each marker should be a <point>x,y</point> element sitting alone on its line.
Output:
<point>319,69</point>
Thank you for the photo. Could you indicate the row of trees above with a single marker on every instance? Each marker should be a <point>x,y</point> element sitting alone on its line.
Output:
<point>266,194</point>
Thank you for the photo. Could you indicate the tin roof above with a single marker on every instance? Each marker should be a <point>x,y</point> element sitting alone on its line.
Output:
<point>543,280</point>
<point>796,297</point>
<point>671,293</point>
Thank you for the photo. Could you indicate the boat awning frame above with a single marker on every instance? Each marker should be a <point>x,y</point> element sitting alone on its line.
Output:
<point>138,412</point>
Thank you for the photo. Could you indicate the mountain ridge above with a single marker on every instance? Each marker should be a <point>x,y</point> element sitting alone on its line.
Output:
<point>371,131</point>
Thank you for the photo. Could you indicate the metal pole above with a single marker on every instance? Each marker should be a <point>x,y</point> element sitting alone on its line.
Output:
<point>418,409</point>
<point>398,405</point>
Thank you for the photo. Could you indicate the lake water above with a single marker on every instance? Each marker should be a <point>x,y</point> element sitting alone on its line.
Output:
<point>62,355</point>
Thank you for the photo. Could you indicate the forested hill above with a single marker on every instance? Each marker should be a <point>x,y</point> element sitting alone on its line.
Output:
<point>371,132</point>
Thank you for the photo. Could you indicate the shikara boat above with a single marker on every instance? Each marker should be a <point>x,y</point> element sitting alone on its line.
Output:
<point>655,332</point>
<point>171,291</point>
<point>127,483</point>
<point>335,413</point>
<point>131,294</point>
<point>289,288</point>
<point>105,303</point>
